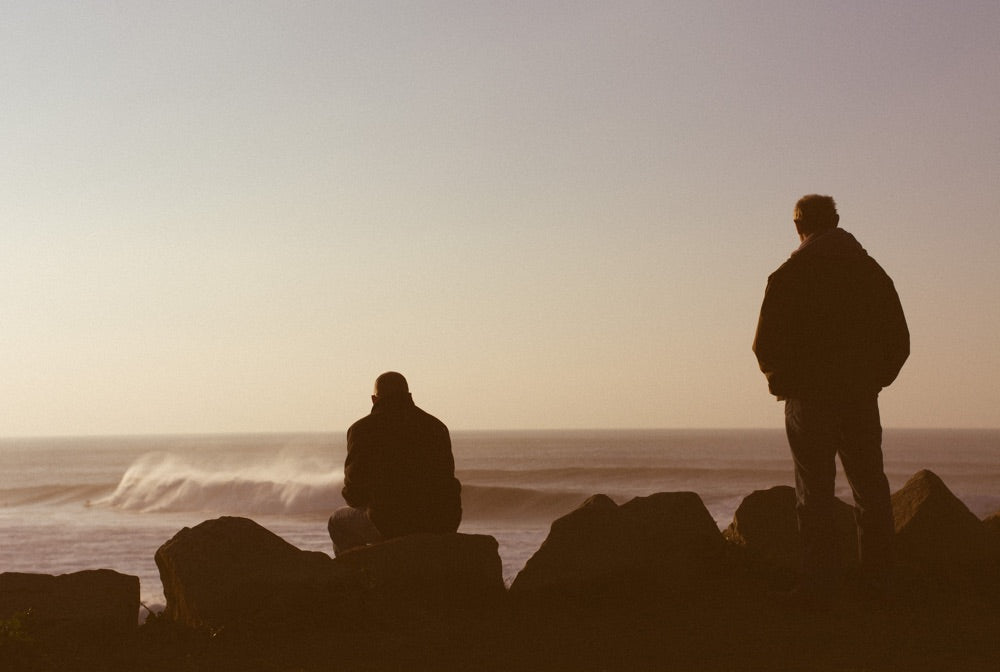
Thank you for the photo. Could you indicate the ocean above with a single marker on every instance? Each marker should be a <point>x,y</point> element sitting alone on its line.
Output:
<point>68,504</point>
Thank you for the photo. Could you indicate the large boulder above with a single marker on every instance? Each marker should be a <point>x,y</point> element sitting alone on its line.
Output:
<point>766,526</point>
<point>991,525</point>
<point>97,603</point>
<point>937,533</point>
<point>232,570</point>
<point>664,542</point>
<point>424,574</point>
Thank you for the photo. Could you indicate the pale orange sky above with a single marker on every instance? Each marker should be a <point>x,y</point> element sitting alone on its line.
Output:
<point>233,216</point>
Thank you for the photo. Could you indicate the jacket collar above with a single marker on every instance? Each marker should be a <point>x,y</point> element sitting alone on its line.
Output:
<point>390,404</point>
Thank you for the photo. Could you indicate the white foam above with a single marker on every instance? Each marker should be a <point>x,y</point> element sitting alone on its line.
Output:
<point>283,484</point>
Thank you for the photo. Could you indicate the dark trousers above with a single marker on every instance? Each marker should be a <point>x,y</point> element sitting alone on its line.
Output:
<point>818,431</point>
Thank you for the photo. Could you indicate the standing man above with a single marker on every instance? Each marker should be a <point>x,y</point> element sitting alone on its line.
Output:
<point>831,335</point>
<point>399,476</point>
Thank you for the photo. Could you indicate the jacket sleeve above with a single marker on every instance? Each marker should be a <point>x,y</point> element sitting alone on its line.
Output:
<point>772,342</point>
<point>357,472</point>
<point>896,335</point>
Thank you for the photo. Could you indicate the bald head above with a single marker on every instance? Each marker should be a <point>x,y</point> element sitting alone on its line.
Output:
<point>391,385</point>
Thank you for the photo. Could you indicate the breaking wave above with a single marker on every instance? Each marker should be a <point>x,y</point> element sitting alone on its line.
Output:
<point>292,485</point>
<point>161,482</point>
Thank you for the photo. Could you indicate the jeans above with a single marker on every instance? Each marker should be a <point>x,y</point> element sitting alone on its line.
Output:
<point>351,528</point>
<point>818,431</point>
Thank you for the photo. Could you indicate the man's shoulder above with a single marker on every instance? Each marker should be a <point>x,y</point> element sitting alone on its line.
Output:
<point>429,419</point>
<point>791,267</point>
<point>376,419</point>
<point>361,424</point>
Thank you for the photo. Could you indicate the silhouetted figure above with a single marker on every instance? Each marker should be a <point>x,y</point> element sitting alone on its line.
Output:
<point>399,476</point>
<point>831,335</point>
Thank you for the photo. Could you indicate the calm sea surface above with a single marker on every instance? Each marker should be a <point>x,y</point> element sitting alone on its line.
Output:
<point>68,504</point>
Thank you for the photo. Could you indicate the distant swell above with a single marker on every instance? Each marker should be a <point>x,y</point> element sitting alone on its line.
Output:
<point>53,494</point>
<point>485,502</point>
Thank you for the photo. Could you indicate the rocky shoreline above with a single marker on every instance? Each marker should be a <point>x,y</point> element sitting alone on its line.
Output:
<point>651,584</point>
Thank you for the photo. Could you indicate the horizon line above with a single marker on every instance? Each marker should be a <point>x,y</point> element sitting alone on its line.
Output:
<point>318,432</point>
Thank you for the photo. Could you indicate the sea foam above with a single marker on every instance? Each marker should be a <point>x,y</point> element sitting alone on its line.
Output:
<point>283,484</point>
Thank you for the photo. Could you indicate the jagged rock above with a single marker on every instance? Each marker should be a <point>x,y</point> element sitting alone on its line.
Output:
<point>766,526</point>
<point>99,603</point>
<point>992,526</point>
<point>936,532</point>
<point>428,573</point>
<point>667,541</point>
<point>231,570</point>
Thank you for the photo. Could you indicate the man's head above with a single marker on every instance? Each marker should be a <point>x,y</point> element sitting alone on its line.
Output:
<point>815,213</point>
<point>390,385</point>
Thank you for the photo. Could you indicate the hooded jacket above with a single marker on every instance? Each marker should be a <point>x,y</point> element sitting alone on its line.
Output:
<point>831,324</point>
<point>401,469</point>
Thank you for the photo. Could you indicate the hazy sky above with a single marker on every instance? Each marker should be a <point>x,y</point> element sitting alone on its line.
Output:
<point>232,216</point>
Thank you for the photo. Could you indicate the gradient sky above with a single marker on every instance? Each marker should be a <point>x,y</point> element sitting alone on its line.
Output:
<point>231,216</point>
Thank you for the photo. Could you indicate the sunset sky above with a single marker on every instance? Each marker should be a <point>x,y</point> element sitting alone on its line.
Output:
<point>231,216</point>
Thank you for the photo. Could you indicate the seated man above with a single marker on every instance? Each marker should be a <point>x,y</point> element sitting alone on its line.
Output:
<point>399,476</point>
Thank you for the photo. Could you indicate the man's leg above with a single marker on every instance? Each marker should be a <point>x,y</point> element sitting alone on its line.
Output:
<point>351,528</point>
<point>814,437</point>
<point>861,456</point>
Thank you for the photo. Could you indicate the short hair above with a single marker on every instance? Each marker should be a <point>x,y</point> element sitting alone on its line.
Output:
<point>391,384</point>
<point>815,213</point>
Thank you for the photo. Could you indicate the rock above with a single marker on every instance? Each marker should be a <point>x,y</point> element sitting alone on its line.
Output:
<point>421,574</point>
<point>664,542</point>
<point>232,570</point>
<point>765,525</point>
<point>937,533</point>
<point>97,603</point>
<point>991,525</point>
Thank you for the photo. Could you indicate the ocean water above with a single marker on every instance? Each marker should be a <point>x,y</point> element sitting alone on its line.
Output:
<point>68,504</point>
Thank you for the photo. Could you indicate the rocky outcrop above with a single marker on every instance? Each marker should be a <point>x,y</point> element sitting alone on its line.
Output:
<point>937,533</point>
<point>97,603</point>
<point>765,526</point>
<point>991,524</point>
<point>592,597</point>
<point>422,574</point>
<point>232,570</point>
<point>664,542</point>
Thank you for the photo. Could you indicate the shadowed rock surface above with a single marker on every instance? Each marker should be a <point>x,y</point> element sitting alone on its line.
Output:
<point>667,541</point>
<point>409,576</point>
<point>92,603</point>
<point>765,526</point>
<point>232,570</point>
<point>649,585</point>
<point>991,525</point>
<point>937,534</point>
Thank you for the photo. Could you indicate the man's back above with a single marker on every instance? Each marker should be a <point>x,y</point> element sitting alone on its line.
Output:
<point>400,467</point>
<point>831,323</point>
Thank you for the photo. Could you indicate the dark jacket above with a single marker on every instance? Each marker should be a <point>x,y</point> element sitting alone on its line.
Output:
<point>400,467</point>
<point>831,324</point>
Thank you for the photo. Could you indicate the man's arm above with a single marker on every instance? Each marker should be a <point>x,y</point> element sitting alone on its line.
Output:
<point>772,343</point>
<point>896,336</point>
<point>356,472</point>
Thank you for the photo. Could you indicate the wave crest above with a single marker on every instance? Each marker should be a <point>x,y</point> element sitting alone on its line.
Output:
<point>166,482</point>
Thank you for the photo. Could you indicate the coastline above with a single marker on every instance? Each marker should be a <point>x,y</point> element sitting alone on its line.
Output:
<point>684,611</point>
